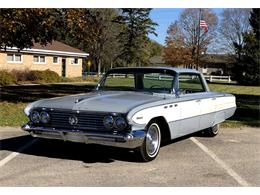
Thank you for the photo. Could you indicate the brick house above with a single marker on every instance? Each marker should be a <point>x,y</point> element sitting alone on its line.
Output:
<point>56,56</point>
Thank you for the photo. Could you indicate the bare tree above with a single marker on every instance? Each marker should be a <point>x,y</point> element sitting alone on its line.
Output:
<point>186,35</point>
<point>234,22</point>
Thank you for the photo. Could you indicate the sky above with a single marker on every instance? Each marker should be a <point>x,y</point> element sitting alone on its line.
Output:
<point>164,17</point>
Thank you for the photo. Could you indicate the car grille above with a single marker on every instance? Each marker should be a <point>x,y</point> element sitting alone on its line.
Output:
<point>85,120</point>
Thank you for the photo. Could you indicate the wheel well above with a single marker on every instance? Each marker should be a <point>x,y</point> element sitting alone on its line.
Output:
<point>164,127</point>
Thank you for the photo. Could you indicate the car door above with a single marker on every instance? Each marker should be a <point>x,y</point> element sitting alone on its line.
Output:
<point>207,111</point>
<point>189,111</point>
<point>190,90</point>
<point>199,113</point>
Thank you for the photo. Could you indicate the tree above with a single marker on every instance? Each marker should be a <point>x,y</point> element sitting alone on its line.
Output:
<point>136,26</point>
<point>234,22</point>
<point>185,41</point>
<point>110,55</point>
<point>154,48</point>
<point>247,68</point>
<point>22,27</point>
<point>92,30</point>
<point>175,52</point>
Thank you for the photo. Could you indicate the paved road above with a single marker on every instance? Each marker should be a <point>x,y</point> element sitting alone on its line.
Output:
<point>230,159</point>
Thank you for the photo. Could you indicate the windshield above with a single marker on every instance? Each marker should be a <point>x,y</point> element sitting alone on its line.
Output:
<point>149,82</point>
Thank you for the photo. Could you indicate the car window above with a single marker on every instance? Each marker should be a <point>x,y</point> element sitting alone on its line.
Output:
<point>190,83</point>
<point>119,81</point>
<point>141,81</point>
<point>158,82</point>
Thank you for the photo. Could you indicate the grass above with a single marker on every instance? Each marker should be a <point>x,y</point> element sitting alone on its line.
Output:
<point>248,101</point>
<point>235,89</point>
<point>11,114</point>
<point>15,98</point>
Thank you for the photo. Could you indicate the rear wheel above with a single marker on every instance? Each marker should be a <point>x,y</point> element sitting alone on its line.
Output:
<point>212,131</point>
<point>151,145</point>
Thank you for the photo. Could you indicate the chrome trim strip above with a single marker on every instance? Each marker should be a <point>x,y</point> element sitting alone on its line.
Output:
<point>200,115</point>
<point>127,140</point>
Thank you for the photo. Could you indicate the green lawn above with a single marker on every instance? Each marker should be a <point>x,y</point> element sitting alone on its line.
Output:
<point>11,114</point>
<point>248,101</point>
<point>15,98</point>
<point>235,89</point>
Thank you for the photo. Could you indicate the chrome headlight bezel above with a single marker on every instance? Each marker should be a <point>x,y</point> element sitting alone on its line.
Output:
<point>45,117</point>
<point>108,122</point>
<point>120,123</point>
<point>35,117</point>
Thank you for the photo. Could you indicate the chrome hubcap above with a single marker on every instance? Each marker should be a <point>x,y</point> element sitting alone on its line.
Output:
<point>215,129</point>
<point>152,140</point>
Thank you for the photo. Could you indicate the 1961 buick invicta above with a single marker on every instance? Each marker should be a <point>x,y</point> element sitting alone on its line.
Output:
<point>135,108</point>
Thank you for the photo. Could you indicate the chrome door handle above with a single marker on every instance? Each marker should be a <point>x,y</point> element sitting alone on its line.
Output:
<point>214,98</point>
<point>198,100</point>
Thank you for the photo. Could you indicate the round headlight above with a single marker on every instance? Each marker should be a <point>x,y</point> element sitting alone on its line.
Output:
<point>120,123</point>
<point>108,122</point>
<point>45,117</point>
<point>35,117</point>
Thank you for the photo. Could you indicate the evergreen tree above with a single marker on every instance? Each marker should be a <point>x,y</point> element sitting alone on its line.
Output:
<point>136,26</point>
<point>247,69</point>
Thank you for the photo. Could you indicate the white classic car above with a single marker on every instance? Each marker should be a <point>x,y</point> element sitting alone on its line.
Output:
<point>135,108</point>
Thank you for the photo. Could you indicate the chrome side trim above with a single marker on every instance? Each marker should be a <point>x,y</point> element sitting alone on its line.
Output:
<point>128,140</point>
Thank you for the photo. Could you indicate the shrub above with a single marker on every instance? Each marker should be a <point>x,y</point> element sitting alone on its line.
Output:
<point>21,75</point>
<point>51,76</point>
<point>6,78</point>
<point>44,76</point>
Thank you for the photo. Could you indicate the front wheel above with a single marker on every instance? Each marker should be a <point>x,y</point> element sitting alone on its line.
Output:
<point>151,145</point>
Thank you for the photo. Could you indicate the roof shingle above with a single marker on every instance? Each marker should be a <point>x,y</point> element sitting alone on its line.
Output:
<point>57,46</point>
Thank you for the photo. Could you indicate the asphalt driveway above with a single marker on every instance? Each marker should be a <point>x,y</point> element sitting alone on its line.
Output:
<point>230,159</point>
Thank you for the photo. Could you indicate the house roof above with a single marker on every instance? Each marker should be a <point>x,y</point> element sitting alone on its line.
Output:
<point>206,58</point>
<point>157,60</point>
<point>57,46</point>
<point>217,58</point>
<point>54,48</point>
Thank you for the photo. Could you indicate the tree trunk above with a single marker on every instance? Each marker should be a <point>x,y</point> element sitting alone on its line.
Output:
<point>99,67</point>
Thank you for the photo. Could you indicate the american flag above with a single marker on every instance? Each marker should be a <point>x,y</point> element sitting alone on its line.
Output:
<point>204,25</point>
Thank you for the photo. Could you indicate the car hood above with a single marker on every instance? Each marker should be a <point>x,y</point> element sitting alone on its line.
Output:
<point>100,101</point>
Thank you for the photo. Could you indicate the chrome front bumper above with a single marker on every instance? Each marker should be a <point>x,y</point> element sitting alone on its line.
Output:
<point>127,140</point>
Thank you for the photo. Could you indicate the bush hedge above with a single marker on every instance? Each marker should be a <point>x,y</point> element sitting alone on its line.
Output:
<point>35,76</point>
<point>44,76</point>
<point>6,78</point>
<point>21,75</point>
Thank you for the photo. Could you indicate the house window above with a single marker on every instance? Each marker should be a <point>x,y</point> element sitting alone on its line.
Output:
<point>75,61</point>
<point>55,60</point>
<point>39,59</point>
<point>14,58</point>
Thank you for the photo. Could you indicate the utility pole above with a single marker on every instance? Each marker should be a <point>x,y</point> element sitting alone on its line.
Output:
<point>198,41</point>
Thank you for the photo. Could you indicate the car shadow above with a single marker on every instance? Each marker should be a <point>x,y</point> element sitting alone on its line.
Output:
<point>196,134</point>
<point>30,93</point>
<point>87,153</point>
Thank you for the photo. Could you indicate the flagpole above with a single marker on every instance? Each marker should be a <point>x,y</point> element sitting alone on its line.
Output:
<point>198,43</point>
